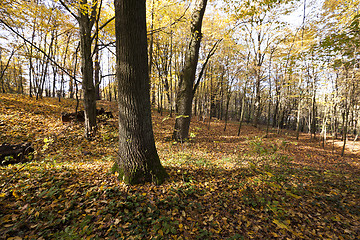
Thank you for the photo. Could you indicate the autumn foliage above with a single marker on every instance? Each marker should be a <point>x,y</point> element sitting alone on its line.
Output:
<point>221,186</point>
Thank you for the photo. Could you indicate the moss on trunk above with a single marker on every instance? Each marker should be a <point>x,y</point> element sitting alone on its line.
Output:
<point>140,175</point>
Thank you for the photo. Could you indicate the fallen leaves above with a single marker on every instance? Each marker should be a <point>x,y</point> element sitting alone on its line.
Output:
<point>221,186</point>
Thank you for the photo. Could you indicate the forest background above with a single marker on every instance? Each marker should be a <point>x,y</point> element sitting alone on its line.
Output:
<point>256,69</point>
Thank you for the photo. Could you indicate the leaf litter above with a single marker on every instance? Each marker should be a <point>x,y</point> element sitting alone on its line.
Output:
<point>221,186</point>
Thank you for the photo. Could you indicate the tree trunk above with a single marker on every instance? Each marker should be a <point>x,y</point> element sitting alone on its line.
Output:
<point>85,24</point>
<point>257,106</point>
<point>298,118</point>
<point>313,115</point>
<point>324,125</point>
<point>97,78</point>
<point>228,96</point>
<point>345,129</point>
<point>151,47</point>
<point>242,110</point>
<point>187,77</point>
<point>138,159</point>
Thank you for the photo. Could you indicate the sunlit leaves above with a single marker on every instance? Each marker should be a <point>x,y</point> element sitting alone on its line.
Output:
<point>220,186</point>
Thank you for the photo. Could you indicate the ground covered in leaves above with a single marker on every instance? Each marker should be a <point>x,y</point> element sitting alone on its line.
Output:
<point>221,186</point>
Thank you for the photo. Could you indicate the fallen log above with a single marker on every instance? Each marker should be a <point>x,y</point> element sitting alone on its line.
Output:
<point>69,117</point>
<point>80,115</point>
<point>109,115</point>
<point>10,154</point>
<point>103,113</point>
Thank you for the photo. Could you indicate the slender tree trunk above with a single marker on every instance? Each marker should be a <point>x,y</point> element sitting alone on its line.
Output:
<point>85,25</point>
<point>242,110</point>
<point>138,159</point>
<point>324,125</point>
<point>313,116</point>
<point>356,132</point>
<point>228,96</point>
<point>298,118</point>
<point>97,63</point>
<point>2,72</point>
<point>257,103</point>
<point>54,67</point>
<point>54,80</point>
<point>276,110</point>
<point>187,77</point>
<point>151,47</point>
<point>270,96</point>
<point>345,129</point>
<point>72,81</point>
<point>348,101</point>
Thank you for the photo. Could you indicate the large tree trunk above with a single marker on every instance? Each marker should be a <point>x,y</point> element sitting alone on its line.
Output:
<point>138,159</point>
<point>187,77</point>
<point>85,24</point>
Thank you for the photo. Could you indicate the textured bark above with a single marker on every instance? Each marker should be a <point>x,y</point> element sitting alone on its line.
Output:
<point>138,159</point>
<point>187,77</point>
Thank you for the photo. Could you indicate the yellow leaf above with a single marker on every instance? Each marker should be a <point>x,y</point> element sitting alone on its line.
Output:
<point>280,224</point>
<point>181,226</point>
<point>15,194</point>
<point>293,195</point>
<point>15,238</point>
<point>2,194</point>
<point>161,233</point>
<point>274,185</point>
<point>126,225</point>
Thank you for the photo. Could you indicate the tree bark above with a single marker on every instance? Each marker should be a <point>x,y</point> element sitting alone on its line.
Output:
<point>138,159</point>
<point>86,22</point>
<point>97,78</point>
<point>242,110</point>
<point>187,77</point>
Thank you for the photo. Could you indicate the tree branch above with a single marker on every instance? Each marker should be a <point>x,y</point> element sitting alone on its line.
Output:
<point>171,24</point>
<point>7,64</point>
<point>68,9</point>
<point>106,23</point>
<point>42,51</point>
<point>210,54</point>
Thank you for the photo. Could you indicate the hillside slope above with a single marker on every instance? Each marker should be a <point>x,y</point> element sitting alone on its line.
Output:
<point>221,186</point>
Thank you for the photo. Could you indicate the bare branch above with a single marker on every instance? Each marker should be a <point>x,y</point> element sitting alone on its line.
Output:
<point>42,51</point>
<point>68,9</point>
<point>210,54</point>
<point>171,24</point>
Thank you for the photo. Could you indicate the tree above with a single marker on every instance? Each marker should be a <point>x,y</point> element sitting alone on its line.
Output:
<point>186,89</point>
<point>86,17</point>
<point>138,159</point>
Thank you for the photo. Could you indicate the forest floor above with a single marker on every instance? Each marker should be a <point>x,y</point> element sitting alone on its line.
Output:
<point>221,186</point>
